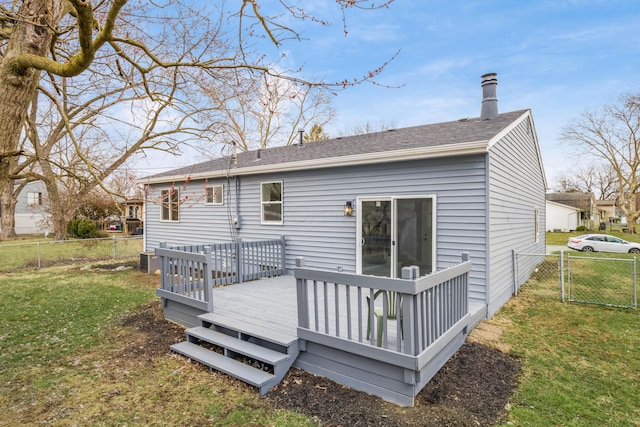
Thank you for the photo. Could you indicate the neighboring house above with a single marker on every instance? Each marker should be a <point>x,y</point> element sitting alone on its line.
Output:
<point>31,216</point>
<point>134,215</point>
<point>607,211</point>
<point>562,218</point>
<point>134,208</point>
<point>583,203</point>
<point>373,204</point>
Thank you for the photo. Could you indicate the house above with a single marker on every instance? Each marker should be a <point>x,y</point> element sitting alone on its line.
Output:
<point>608,212</point>
<point>567,211</point>
<point>405,210</point>
<point>31,215</point>
<point>562,218</point>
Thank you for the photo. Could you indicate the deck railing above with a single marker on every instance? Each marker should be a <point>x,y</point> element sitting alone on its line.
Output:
<point>188,272</point>
<point>335,309</point>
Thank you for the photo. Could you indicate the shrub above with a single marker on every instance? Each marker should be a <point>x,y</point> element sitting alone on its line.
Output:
<point>82,228</point>
<point>72,227</point>
<point>581,228</point>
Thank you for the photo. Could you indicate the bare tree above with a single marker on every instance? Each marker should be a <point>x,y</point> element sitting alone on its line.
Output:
<point>368,127</point>
<point>264,112</point>
<point>613,135</point>
<point>597,178</point>
<point>138,44</point>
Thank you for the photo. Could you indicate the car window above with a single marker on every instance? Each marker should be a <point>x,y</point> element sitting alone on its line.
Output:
<point>612,239</point>
<point>595,238</point>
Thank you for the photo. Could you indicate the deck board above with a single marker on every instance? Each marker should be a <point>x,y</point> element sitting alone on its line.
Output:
<point>265,307</point>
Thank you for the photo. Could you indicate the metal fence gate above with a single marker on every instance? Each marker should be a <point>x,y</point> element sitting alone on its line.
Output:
<point>582,279</point>
<point>602,281</point>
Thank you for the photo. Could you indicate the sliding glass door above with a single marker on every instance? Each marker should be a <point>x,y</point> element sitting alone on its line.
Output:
<point>395,232</point>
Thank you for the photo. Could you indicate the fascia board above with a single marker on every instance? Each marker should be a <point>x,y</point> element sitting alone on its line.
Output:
<point>474,147</point>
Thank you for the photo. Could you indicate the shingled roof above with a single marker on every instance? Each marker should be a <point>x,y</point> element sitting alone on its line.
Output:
<point>472,135</point>
<point>574,199</point>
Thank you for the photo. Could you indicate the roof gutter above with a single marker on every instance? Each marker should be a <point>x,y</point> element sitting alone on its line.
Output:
<point>466,148</point>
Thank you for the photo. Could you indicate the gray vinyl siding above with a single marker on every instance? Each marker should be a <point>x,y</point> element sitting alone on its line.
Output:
<point>516,189</point>
<point>30,219</point>
<point>314,224</point>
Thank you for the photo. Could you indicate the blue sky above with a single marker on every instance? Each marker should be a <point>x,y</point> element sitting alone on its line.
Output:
<point>558,58</point>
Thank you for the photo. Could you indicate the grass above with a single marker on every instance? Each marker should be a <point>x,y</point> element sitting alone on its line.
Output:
<point>40,251</point>
<point>67,359</point>
<point>560,239</point>
<point>580,364</point>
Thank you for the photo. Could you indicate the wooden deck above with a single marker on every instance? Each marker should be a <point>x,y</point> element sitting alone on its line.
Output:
<point>319,321</point>
<point>262,308</point>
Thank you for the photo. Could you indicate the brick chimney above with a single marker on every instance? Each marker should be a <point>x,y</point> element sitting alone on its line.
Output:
<point>489,101</point>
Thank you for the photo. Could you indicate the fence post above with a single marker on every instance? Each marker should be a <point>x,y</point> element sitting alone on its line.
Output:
<point>635,283</point>
<point>561,272</point>
<point>207,276</point>
<point>114,246</point>
<point>302,294</point>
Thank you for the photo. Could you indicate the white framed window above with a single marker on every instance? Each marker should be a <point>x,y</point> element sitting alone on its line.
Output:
<point>170,201</point>
<point>34,198</point>
<point>213,195</point>
<point>536,225</point>
<point>271,202</point>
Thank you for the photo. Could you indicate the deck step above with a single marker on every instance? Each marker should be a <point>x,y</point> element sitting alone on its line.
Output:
<point>219,362</point>
<point>236,345</point>
<point>261,331</point>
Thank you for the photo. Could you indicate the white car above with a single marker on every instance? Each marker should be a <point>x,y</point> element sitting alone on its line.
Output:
<point>602,243</point>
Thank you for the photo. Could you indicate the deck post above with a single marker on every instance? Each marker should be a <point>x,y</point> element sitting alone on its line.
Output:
<point>302,297</point>
<point>207,278</point>
<point>283,259</point>
<point>164,268</point>
<point>239,260</point>
<point>409,330</point>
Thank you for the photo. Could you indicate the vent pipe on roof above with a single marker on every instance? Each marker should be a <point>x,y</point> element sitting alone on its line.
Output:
<point>489,101</point>
<point>301,132</point>
<point>235,154</point>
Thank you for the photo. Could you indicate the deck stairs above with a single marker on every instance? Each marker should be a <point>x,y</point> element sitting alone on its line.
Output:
<point>256,355</point>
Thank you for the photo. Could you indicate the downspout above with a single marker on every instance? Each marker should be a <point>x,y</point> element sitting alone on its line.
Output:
<point>237,222</point>
<point>487,180</point>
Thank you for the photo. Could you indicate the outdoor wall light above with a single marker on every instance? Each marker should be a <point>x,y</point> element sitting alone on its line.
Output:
<point>348,209</point>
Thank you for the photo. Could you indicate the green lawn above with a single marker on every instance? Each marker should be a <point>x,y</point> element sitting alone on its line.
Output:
<point>69,360</point>
<point>562,238</point>
<point>32,252</point>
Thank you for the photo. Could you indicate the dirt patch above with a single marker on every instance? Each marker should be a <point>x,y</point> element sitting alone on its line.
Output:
<point>472,389</point>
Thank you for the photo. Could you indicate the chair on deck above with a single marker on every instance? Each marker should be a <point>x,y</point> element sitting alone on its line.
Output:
<point>378,312</point>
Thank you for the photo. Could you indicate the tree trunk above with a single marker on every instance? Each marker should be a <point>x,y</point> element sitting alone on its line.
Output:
<point>59,215</point>
<point>7,213</point>
<point>31,34</point>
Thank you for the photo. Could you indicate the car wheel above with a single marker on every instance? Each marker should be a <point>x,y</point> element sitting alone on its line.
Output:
<point>587,249</point>
<point>634,251</point>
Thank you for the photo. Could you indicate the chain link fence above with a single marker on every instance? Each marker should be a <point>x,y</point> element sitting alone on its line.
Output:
<point>39,254</point>
<point>600,280</point>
